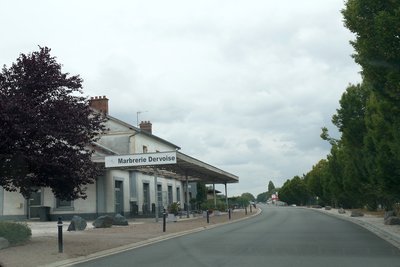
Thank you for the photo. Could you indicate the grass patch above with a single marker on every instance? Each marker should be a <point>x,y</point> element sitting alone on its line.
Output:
<point>15,233</point>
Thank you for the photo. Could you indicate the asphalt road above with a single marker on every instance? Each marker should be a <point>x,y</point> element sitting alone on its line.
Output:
<point>280,236</point>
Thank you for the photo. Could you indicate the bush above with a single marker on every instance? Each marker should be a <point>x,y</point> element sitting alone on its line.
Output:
<point>209,205</point>
<point>15,233</point>
<point>174,208</point>
<point>396,208</point>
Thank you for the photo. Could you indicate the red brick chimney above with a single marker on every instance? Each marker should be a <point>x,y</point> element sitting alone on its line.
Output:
<point>99,103</point>
<point>146,126</point>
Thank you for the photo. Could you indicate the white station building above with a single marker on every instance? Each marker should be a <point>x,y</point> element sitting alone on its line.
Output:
<point>143,174</point>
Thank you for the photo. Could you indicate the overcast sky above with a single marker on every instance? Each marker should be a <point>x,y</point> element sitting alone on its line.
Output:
<point>242,85</point>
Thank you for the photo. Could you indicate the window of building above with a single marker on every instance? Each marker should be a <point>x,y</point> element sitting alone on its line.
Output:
<point>64,204</point>
<point>159,195</point>
<point>170,197</point>
<point>146,198</point>
<point>144,149</point>
<point>178,194</point>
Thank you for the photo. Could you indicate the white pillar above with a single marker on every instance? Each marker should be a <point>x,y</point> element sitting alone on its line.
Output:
<point>215,197</point>
<point>187,195</point>
<point>226,196</point>
<point>156,194</point>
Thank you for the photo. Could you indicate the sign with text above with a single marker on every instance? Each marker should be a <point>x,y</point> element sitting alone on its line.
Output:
<point>145,159</point>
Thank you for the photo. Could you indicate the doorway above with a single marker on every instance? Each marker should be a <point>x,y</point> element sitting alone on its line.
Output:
<point>119,197</point>
<point>35,202</point>
<point>146,198</point>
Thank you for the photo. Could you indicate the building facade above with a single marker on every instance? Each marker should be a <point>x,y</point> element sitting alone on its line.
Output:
<point>130,192</point>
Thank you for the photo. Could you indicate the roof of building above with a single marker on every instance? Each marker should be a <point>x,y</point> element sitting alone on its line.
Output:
<point>138,130</point>
<point>186,167</point>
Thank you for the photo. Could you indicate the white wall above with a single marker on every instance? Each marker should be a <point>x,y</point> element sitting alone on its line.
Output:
<point>14,204</point>
<point>116,127</point>
<point>123,140</point>
<point>87,205</point>
<point>152,145</point>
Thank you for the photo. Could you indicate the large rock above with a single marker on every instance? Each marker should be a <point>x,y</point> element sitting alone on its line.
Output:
<point>393,220</point>
<point>356,213</point>
<point>341,211</point>
<point>77,224</point>
<point>120,220</point>
<point>103,222</point>
<point>4,243</point>
<point>388,214</point>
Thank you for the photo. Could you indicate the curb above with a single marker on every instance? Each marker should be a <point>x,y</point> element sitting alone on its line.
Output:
<point>108,252</point>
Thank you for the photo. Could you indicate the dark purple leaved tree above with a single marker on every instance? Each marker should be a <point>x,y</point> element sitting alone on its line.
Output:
<point>45,128</point>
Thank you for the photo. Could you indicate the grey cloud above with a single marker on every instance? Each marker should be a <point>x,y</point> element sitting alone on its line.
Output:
<point>242,85</point>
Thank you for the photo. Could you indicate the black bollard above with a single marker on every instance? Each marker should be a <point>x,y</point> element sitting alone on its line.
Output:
<point>208,217</point>
<point>229,213</point>
<point>60,235</point>
<point>164,220</point>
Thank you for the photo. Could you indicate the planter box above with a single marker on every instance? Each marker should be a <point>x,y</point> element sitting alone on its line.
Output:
<point>171,217</point>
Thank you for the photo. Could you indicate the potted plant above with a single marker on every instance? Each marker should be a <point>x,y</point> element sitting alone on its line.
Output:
<point>173,211</point>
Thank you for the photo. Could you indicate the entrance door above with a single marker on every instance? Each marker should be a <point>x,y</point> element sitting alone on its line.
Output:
<point>159,198</point>
<point>119,198</point>
<point>35,202</point>
<point>146,198</point>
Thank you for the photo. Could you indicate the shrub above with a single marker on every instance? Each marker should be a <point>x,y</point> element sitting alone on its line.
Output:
<point>209,205</point>
<point>396,208</point>
<point>174,208</point>
<point>14,232</point>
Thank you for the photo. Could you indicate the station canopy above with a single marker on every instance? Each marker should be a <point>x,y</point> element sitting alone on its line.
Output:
<point>172,164</point>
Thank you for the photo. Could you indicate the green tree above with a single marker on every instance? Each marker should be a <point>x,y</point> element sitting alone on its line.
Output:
<point>376,25</point>
<point>248,196</point>
<point>201,195</point>
<point>241,201</point>
<point>294,191</point>
<point>381,154</point>
<point>333,182</point>
<point>262,197</point>
<point>350,120</point>
<point>286,193</point>
<point>271,186</point>
<point>45,128</point>
<point>314,181</point>
<point>363,166</point>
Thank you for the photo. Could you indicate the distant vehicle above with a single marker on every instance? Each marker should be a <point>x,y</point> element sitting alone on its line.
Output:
<point>293,205</point>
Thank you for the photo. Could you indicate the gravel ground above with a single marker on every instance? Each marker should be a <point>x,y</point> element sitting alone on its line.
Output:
<point>42,249</point>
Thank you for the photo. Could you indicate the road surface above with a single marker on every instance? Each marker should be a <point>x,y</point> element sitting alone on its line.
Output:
<point>280,236</point>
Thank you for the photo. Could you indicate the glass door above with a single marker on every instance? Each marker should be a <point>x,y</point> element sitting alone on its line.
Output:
<point>35,201</point>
